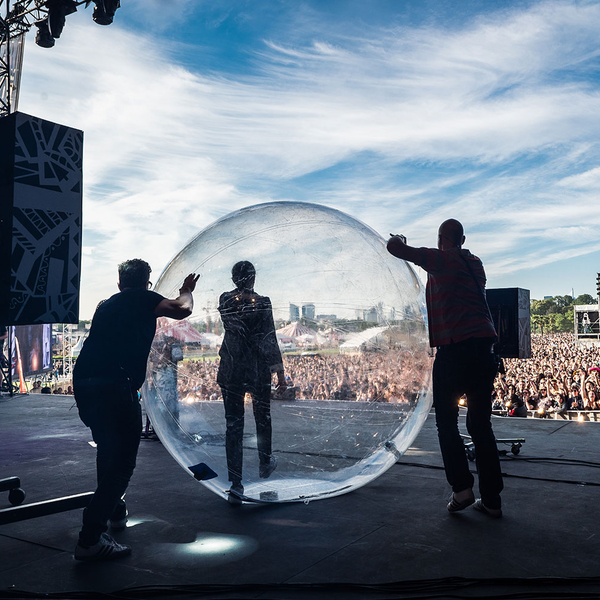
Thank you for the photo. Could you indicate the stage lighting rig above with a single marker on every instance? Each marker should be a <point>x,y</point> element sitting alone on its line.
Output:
<point>50,28</point>
<point>104,11</point>
<point>49,16</point>
<point>52,25</point>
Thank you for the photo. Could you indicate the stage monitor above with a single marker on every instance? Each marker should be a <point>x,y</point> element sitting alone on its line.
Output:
<point>31,350</point>
<point>510,308</point>
<point>40,221</point>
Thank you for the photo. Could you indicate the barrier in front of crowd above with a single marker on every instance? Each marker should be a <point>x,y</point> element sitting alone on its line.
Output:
<point>570,415</point>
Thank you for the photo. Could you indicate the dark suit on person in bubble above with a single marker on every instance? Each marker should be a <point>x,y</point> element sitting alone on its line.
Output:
<point>249,355</point>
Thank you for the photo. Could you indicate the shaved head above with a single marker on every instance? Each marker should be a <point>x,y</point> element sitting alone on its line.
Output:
<point>451,234</point>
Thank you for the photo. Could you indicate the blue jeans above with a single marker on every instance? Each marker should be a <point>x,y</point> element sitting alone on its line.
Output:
<point>113,413</point>
<point>469,368</point>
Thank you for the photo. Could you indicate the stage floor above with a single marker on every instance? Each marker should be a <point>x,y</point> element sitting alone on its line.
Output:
<point>392,531</point>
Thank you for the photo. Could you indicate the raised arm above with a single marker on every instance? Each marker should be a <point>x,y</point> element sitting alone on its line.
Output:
<point>398,247</point>
<point>182,306</point>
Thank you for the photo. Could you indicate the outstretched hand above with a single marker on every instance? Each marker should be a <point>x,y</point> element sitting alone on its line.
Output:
<point>189,283</point>
<point>281,382</point>
<point>399,236</point>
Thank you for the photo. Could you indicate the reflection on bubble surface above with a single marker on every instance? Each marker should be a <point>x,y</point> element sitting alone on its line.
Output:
<point>351,326</point>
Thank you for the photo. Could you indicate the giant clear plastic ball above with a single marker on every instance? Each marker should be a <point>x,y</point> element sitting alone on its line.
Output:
<point>350,325</point>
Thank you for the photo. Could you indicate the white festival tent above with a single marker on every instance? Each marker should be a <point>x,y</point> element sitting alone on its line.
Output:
<point>369,339</point>
<point>294,330</point>
<point>185,332</point>
<point>76,349</point>
<point>295,334</point>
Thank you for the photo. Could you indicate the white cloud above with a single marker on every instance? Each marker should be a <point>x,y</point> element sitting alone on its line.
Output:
<point>167,149</point>
<point>585,180</point>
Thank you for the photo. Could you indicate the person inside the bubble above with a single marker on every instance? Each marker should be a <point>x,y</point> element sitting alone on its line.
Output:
<point>249,356</point>
<point>168,354</point>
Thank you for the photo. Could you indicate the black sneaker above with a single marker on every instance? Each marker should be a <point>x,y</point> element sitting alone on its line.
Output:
<point>265,470</point>
<point>236,493</point>
<point>105,549</point>
<point>119,524</point>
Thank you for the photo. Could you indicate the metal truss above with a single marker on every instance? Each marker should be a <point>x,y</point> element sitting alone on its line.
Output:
<point>69,341</point>
<point>15,22</point>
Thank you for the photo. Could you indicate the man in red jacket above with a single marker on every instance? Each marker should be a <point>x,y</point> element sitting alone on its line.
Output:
<point>462,330</point>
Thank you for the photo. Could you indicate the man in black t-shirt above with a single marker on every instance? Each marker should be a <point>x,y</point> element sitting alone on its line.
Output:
<point>109,370</point>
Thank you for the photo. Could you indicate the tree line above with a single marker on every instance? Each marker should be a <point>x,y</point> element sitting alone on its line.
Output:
<point>556,314</point>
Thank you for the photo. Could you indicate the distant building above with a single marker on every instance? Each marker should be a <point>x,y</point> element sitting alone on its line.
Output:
<point>326,317</point>
<point>294,313</point>
<point>308,311</point>
<point>370,315</point>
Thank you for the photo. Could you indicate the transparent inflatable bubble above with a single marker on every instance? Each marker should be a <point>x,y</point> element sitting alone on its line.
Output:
<point>349,329</point>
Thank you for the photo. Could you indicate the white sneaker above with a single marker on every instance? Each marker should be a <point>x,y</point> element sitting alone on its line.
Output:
<point>106,549</point>
<point>460,501</point>
<point>495,513</point>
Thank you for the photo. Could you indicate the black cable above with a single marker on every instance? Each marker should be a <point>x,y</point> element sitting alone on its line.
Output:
<point>448,587</point>
<point>569,481</point>
<point>555,460</point>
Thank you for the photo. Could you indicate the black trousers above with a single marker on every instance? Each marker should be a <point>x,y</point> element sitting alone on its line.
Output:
<point>467,368</point>
<point>113,413</point>
<point>233,399</point>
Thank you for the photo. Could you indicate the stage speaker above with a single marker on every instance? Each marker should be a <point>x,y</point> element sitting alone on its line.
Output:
<point>510,308</point>
<point>40,221</point>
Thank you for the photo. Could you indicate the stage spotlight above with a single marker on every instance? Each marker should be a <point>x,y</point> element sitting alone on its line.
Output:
<point>213,545</point>
<point>43,37</point>
<point>57,13</point>
<point>104,11</point>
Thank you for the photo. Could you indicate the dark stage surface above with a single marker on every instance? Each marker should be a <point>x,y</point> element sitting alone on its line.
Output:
<point>394,530</point>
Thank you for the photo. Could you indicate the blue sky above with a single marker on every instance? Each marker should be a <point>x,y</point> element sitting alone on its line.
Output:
<point>402,114</point>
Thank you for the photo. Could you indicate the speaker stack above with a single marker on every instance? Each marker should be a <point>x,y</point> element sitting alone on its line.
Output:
<point>510,308</point>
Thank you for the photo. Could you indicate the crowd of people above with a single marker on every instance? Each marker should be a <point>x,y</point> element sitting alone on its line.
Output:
<point>561,375</point>
<point>394,376</point>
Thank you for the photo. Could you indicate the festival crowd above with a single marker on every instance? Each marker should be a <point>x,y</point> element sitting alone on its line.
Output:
<point>560,376</point>
<point>394,376</point>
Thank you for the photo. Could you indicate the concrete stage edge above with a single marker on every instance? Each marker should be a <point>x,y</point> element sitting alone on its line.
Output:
<point>392,531</point>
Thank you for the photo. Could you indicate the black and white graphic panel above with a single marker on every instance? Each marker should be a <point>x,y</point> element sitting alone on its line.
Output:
<point>45,231</point>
